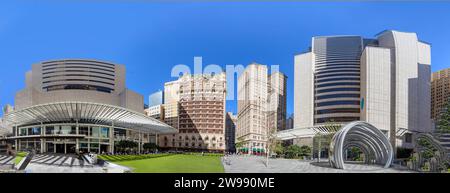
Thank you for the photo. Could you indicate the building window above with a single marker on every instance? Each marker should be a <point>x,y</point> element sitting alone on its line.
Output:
<point>337,103</point>
<point>408,138</point>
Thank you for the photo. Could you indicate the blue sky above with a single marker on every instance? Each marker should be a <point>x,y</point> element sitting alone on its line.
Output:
<point>151,37</point>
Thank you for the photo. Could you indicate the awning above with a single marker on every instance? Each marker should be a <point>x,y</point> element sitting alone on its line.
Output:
<point>85,112</point>
<point>307,132</point>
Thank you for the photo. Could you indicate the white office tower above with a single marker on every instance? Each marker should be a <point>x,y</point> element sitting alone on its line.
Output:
<point>410,86</point>
<point>384,81</point>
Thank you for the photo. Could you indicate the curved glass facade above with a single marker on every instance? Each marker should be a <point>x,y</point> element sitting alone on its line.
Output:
<point>68,137</point>
<point>337,69</point>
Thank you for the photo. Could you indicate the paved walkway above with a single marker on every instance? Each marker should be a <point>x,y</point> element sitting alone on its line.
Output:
<point>67,163</point>
<point>6,162</point>
<point>59,160</point>
<point>6,159</point>
<point>253,164</point>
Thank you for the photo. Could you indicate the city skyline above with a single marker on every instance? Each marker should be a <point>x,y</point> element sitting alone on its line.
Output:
<point>152,42</point>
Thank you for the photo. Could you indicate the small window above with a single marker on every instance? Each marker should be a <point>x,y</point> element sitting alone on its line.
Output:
<point>408,138</point>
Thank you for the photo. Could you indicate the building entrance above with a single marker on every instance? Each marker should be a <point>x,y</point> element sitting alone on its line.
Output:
<point>59,148</point>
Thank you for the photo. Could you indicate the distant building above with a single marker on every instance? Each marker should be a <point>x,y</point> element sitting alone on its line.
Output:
<point>230,132</point>
<point>261,107</point>
<point>156,112</point>
<point>277,92</point>
<point>156,98</point>
<point>440,92</point>
<point>195,105</point>
<point>290,122</point>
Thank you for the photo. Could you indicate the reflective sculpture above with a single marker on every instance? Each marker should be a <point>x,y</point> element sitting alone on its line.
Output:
<point>370,140</point>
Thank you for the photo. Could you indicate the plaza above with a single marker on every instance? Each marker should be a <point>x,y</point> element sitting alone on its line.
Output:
<point>255,164</point>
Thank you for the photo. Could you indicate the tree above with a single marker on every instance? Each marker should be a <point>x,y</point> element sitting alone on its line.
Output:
<point>305,150</point>
<point>292,151</point>
<point>443,125</point>
<point>240,143</point>
<point>125,145</point>
<point>279,149</point>
<point>150,146</point>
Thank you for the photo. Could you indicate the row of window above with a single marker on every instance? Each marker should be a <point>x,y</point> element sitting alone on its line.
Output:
<point>85,71</point>
<point>76,67</point>
<point>340,70</point>
<point>338,110</point>
<point>336,89</point>
<point>82,80</point>
<point>92,131</point>
<point>338,84</point>
<point>337,96</point>
<point>336,119</point>
<point>83,75</point>
<point>330,103</point>
<point>338,66</point>
<point>337,79</point>
<point>78,87</point>
<point>344,74</point>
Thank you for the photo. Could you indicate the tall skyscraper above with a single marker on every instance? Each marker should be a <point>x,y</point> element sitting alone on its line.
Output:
<point>346,78</point>
<point>440,92</point>
<point>261,106</point>
<point>195,105</point>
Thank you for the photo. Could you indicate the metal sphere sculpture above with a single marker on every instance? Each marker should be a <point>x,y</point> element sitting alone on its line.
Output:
<point>370,140</point>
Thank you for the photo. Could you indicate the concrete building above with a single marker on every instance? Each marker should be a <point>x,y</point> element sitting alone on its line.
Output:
<point>156,112</point>
<point>277,92</point>
<point>230,132</point>
<point>440,92</point>
<point>261,107</point>
<point>77,105</point>
<point>346,78</point>
<point>197,109</point>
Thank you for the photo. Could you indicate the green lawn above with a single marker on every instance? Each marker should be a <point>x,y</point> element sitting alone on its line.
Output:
<point>117,158</point>
<point>19,157</point>
<point>177,163</point>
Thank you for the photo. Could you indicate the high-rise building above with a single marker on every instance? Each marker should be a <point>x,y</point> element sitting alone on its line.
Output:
<point>277,92</point>
<point>261,107</point>
<point>195,105</point>
<point>346,78</point>
<point>252,108</point>
<point>156,98</point>
<point>230,132</point>
<point>440,92</point>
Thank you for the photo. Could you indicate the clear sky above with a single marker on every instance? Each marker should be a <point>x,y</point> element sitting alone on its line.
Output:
<point>150,38</point>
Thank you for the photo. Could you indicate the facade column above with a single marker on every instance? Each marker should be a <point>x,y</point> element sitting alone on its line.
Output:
<point>42,139</point>
<point>77,141</point>
<point>16,146</point>
<point>140,142</point>
<point>42,145</point>
<point>111,138</point>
